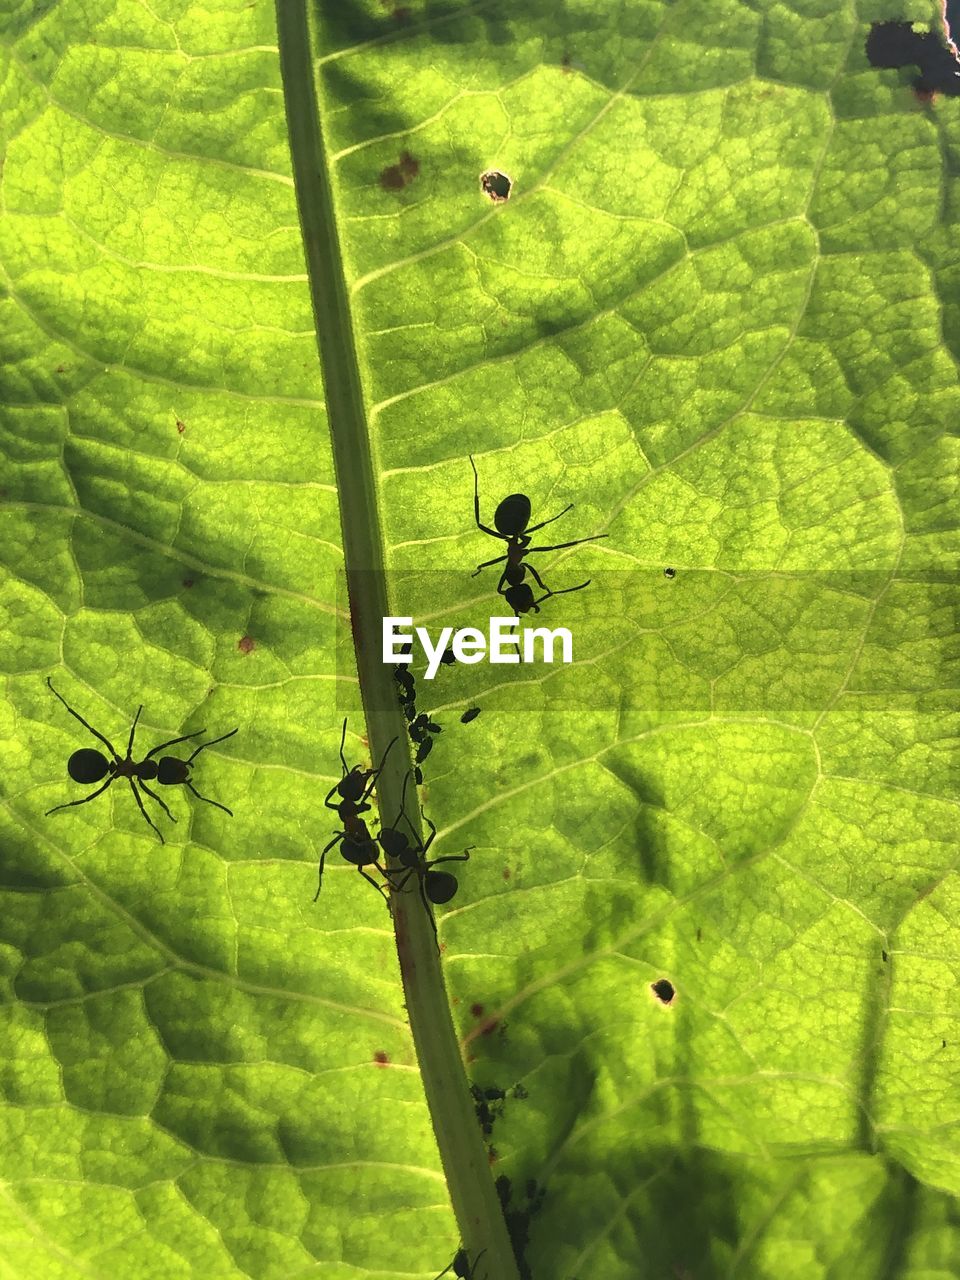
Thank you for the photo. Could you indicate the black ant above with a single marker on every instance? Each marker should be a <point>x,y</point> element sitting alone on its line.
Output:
<point>88,765</point>
<point>356,843</point>
<point>436,887</point>
<point>512,520</point>
<point>461,1265</point>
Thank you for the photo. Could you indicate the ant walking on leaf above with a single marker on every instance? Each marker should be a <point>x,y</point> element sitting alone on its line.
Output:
<point>512,521</point>
<point>436,887</point>
<point>87,765</point>
<point>356,843</point>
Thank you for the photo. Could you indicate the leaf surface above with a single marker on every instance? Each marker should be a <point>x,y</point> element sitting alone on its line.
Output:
<point>719,314</point>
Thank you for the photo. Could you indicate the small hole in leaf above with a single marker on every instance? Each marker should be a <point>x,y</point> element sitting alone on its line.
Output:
<point>181,427</point>
<point>669,573</point>
<point>663,990</point>
<point>496,185</point>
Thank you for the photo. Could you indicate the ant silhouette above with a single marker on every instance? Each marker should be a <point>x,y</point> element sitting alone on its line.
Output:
<point>87,765</point>
<point>436,887</point>
<point>512,520</point>
<point>461,1265</point>
<point>356,843</point>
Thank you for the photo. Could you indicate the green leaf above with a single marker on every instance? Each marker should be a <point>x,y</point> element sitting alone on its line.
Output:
<point>718,313</point>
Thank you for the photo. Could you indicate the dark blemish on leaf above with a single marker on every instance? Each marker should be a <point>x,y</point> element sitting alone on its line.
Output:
<point>493,1155</point>
<point>246,644</point>
<point>381,1058</point>
<point>520,1092</point>
<point>669,573</point>
<point>470,715</point>
<point>506,873</point>
<point>565,64</point>
<point>397,176</point>
<point>477,1010</point>
<point>892,45</point>
<point>400,13</point>
<point>496,185</point>
<point>663,990</point>
<point>181,427</point>
<point>188,582</point>
<point>699,934</point>
<point>61,368</point>
<point>943,1044</point>
<point>488,1027</point>
<point>883,955</point>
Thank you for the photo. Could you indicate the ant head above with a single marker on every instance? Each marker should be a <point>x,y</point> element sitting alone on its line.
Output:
<point>169,770</point>
<point>87,765</point>
<point>394,843</point>
<point>440,886</point>
<point>359,852</point>
<point>520,598</point>
<point>353,784</point>
<point>513,514</point>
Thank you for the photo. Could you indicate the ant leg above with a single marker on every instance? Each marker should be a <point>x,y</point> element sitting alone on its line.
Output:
<point>564,592</point>
<point>429,910</point>
<point>430,839</point>
<point>173,742</point>
<point>368,789</point>
<point>476,505</point>
<point>212,743</point>
<point>323,854</point>
<point>560,545</point>
<point>153,796</point>
<point>216,803</point>
<point>133,730</point>
<point>540,582</point>
<point>486,565</point>
<point>398,888</point>
<point>455,857</point>
<point>378,888</point>
<point>76,715</point>
<point>534,527</point>
<point>86,799</point>
<point>150,822</point>
<point>343,739</point>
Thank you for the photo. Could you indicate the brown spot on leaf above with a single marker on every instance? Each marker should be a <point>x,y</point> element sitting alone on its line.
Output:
<point>397,176</point>
<point>246,644</point>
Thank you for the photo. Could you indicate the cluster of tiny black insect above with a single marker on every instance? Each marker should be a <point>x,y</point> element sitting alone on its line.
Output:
<point>420,725</point>
<point>489,1104</point>
<point>87,765</point>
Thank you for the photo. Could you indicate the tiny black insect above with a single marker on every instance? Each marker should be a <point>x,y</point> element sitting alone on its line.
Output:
<point>436,887</point>
<point>669,573</point>
<point>512,521</point>
<point>460,1266</point>
<point>87,765</point>
<point>469,715</point>
<point>356,843</point>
